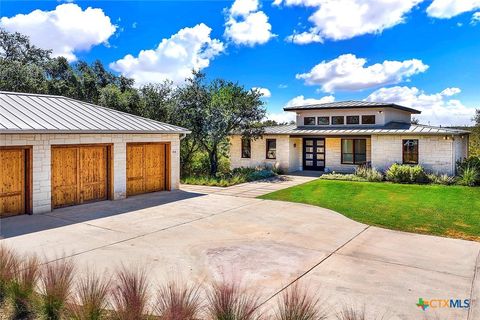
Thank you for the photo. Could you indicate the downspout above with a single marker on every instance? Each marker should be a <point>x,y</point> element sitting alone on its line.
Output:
<point>453,156</point>
<point>182,136</point>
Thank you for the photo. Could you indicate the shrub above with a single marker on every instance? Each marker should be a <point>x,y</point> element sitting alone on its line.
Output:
<point>226,301</point>
<point>130,297</point>
<point>342,176</point>
<point>90,300</point>
<point>349,313</point>
<point>22,288</point>
<point>235,176</point>
<point>473,161</point>
<point>401,173</point>
<point>369,174</point>
<point>469,176</point>
<point>297,304</point>
<point>178,302</point>
<point>57,280</point>
<point>443,179</point>
<point>8,264</point>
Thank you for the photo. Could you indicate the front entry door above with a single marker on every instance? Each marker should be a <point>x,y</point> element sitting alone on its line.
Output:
<point>314,154</point>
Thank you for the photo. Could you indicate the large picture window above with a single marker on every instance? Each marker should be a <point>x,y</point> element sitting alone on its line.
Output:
<point>410,151</point>
<point>309,121</point>
<point>271,149</point>
<point>354,151</point>
<point>246,148</point>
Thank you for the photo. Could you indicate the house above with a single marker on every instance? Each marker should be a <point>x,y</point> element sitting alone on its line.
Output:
<point>339,136</point>
<point>56,151</point>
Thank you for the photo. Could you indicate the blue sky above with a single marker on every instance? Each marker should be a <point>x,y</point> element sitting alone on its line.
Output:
<point>422,54</point>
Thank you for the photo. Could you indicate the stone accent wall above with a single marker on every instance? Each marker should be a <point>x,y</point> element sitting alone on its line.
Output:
<point>42,159</point>
<point>258,156</point>
<point>435,153</point>
<point>333,155</point>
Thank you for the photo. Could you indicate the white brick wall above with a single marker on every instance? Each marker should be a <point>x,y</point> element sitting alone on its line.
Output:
<point>435,153</point>
<point>42,159</point>
<point>258,156</point>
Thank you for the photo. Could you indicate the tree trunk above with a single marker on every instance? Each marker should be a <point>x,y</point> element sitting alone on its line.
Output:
<point>212,155</point>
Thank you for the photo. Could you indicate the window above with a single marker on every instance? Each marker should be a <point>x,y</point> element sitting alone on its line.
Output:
<point>354,151</point>
<point>271,149</point>
<point>323,121</point>
<point>309,121</point>
<point>410,151</point>
<point>246,148</point>
<point>369,119</point>
<point>353,119</point>
<point>338,120</point>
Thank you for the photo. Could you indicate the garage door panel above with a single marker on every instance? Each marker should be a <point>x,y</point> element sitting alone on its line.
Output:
<point>79,174</point>
<point>64,176</point>
<point>12,182</point>
<point>154,167</point>
<point>135,169</point>
<point>93,173</point>
<point>146,168</point>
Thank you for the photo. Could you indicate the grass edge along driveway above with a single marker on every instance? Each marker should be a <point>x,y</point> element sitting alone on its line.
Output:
<point>450,211</point>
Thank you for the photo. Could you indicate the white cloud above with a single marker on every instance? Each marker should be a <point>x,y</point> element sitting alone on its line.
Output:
<point>174,58</point>
<point>345,19</point>
<point>246,25</point>
<point>437,108</point>
<point>347,72</point>
<point>297,101</point>
<point>65,30</point>
<point>304,38</point>
<point>445,9</point>
<point>475,18</point>
<point>264,91</point>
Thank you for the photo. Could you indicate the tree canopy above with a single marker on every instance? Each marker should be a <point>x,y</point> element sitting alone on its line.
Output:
<point>210,109</point>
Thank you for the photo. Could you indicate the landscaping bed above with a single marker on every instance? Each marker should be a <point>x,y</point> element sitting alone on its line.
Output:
<point>450,211</point>
<point>233,177</point>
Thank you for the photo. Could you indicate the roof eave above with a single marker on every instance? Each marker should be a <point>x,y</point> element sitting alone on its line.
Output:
<point>93,132</point>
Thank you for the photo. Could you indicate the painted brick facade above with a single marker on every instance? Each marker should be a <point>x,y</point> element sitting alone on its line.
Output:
<point>42,143</point>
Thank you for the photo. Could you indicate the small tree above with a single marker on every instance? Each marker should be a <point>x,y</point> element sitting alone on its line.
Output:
<point>475,136</point>
<point>231,108</point>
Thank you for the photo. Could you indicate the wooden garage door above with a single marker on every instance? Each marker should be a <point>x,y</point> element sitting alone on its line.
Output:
<point>79,174</point>
<point>12,181</point>
<point>147,167</point>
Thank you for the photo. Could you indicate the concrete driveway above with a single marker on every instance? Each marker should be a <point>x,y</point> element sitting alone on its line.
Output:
<point>267,244</point>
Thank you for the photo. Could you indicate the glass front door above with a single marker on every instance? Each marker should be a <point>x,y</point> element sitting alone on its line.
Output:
<point>314,154</point>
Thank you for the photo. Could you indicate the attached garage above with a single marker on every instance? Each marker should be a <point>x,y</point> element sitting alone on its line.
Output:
<point>147,167</point>
<point>57,152</point>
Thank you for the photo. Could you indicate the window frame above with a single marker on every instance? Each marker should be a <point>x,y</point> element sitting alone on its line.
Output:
<point>354,153</point>
<point>358,117</point>
<point>305,123</point>
<point>416,153</point>
<point>243,140</point>
<point>338,124</point>
<point>369,115</point>
<point>267,143</point>
<point>323,124</point>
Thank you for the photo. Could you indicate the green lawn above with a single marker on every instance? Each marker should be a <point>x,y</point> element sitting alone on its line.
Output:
<point>451,211</point>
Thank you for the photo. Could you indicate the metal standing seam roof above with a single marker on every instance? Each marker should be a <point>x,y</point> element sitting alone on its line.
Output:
<point>38,113</point>
<point>351,104</point>
<point>391,128</point>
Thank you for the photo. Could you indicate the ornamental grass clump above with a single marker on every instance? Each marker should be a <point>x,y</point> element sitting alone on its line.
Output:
<point>296,303</point>
<point>403,173</point>
<point>369,174</point>
<point>350,313</point>
<point>57,283</point>
<point>8,264</point>
<point>469,176</point>
<point>21,290</point>
<point>227,301</point>
<point>178,301</point>
<point>130,294</point>
<point>90,300</point>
